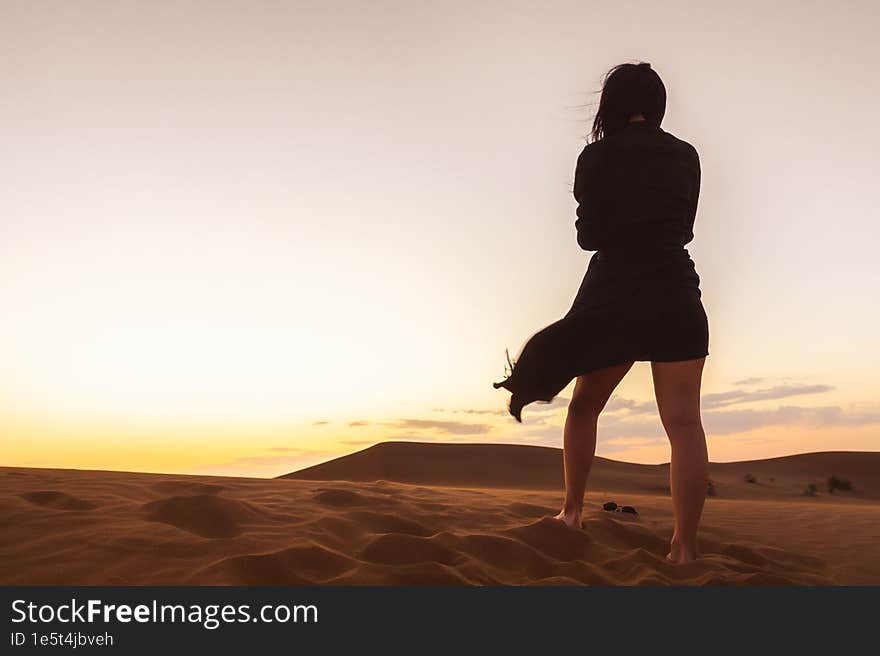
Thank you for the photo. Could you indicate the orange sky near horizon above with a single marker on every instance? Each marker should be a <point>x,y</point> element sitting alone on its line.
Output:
<point>243,238</point>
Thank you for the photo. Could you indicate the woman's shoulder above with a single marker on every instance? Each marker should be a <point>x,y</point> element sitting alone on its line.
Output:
<point>591,151</point>
<point>681,144</point>
<point>626,143</point>
<point>589,162</point>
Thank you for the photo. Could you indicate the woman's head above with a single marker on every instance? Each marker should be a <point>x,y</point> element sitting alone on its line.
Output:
<point>628,90</point>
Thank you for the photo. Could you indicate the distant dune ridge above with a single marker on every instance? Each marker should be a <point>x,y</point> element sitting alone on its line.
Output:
<point>425,513</point>
<point>538,467</point>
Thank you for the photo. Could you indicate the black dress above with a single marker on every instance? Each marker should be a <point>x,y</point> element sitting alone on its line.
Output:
<point>637,192</point>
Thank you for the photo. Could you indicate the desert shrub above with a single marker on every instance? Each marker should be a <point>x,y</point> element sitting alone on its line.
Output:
<point>835,483</point>
<point>812,490</point>
<point>710,489</point>
<point>749,478</point>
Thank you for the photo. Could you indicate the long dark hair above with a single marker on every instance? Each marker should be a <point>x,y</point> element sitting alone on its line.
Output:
<point>629,89</point>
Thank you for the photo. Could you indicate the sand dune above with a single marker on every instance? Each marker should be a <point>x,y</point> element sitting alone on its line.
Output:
<point>540,468</point>
<point>456,520</point>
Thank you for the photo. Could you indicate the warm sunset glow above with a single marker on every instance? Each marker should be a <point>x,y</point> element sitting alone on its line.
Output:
<point>248,240</point>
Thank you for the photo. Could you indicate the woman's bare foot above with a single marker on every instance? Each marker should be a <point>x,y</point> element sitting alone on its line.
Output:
<point>571,518</point>
<point>679,554</point>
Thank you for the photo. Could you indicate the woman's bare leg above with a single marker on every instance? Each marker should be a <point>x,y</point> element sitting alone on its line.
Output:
<point>677,389</point>
<point>591,393</point>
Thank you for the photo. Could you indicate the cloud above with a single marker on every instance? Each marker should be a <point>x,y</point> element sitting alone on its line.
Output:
<point>618,403</point>
<point>471,411</point>
<point>633,441</point>
<point>617,426</point>
<point>359,422</point>
<point>750,381</point>
<point>619,444</point>
<point>287,449</point>
<point>538,406</point>
<point>445,426</point>
<point>722,399</point>
<point>319,423</point>
<point>357,442</point>
<point>741,420</point>
<point>555,404</point>
<point>546,436</point>
<point>625,419</point>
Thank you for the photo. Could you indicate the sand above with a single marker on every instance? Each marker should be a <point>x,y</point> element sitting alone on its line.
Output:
<point>429,514</point>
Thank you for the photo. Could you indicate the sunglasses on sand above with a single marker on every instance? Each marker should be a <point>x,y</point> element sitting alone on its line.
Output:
<point>610,506</point>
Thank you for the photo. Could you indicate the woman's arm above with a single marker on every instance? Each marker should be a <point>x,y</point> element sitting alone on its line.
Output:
<point>695,196</point>
<point>589,222</point>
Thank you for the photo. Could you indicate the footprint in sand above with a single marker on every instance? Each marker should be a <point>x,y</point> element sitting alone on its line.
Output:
<point>342,498</point>
<point>57,500</point>
<point>207,515</point>
<point>187,487</point>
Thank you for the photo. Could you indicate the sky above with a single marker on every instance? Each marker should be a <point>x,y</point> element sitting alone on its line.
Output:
<point>245,237</point>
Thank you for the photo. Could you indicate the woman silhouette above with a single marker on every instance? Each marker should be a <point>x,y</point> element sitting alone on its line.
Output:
<point>637,187</point>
